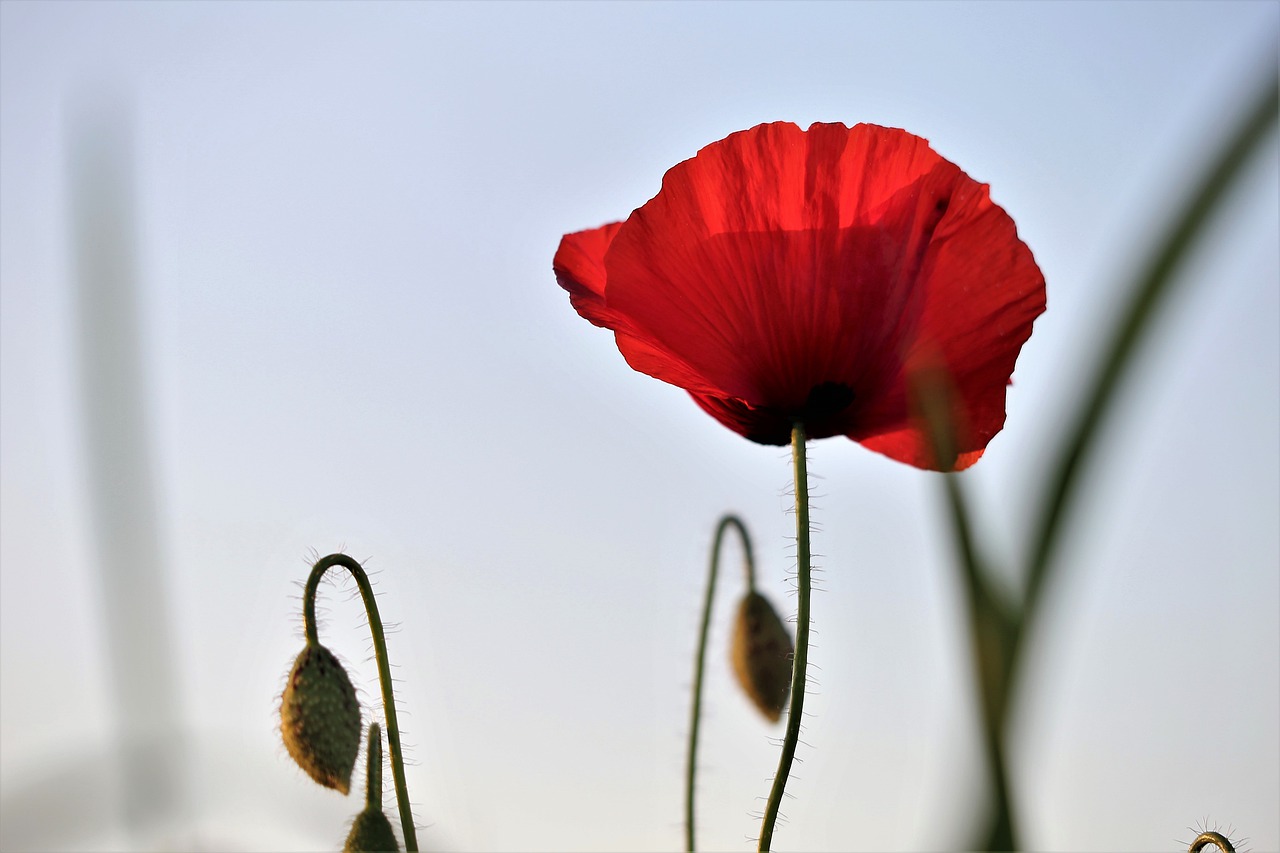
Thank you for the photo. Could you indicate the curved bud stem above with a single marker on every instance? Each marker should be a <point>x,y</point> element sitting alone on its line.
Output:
<point>749,567</point>
<point>1204,839</point>
<point>800,665</point>
<point>384,675</point>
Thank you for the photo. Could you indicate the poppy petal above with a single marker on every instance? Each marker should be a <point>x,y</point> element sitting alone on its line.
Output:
<point>765,262</point>
<point>981,292</point>
<point>579,269</point>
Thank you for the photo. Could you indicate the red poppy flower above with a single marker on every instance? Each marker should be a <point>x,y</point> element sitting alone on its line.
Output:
<point>785,275</point>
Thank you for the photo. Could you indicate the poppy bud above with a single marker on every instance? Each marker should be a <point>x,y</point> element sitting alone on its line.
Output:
<point>762,655</point>
<point>320,718</point>
<point>371,833</point>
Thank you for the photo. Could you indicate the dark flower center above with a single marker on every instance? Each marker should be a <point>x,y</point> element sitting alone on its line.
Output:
<point>825,400</point>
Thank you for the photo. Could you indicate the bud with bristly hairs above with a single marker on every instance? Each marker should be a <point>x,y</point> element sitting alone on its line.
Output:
<point>320,718</point>
<point>371,832</point>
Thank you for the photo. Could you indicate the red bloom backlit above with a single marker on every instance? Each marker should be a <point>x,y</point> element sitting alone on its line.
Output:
<point>786,275</point>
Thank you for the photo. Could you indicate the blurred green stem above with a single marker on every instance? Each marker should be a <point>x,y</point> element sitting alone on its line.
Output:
<point>997,629</point>
<point>992,634</point>
<point>384,674</point>
<point>991,623</point>
<point>749,566</point>
<point>800,664</point>
<point>1153,289</point>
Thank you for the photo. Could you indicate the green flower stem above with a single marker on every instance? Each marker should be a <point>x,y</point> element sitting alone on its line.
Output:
<point>373,769</point>
<point>992,633</point>
<point>997,630</point>
<point>1153,289</point>
<point>992,626</point>
<point>384,674</point>
<point>800,666</point>
<point>749,566</point>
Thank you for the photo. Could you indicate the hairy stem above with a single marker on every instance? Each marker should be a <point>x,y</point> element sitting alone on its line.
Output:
<point>1210,838</point>
<point>800,665</point>
<point>373,764</point>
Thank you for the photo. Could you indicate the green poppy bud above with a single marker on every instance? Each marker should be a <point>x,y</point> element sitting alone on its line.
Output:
<point>371,833</point>
<point>762,655</point>
<point>320,718</point>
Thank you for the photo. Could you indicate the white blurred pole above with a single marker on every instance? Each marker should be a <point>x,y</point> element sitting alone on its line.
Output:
<point>121,496</point>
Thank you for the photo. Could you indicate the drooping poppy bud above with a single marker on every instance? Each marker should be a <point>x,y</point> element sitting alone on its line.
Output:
<point>762,655</point>
<point>320,718</point>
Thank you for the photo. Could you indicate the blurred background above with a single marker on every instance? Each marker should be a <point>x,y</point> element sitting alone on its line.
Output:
<point>285,270</point>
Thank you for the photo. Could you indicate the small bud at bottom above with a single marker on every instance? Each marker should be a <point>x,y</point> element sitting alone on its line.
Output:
<point>371,833</point>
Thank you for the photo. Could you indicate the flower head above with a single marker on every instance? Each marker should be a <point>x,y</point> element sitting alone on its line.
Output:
<point>785,275</point>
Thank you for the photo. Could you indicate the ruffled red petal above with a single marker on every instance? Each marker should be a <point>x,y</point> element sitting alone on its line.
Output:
<point>579,269</point>
<point>579,266</point>
<point>982,291</point>
<point>785,274</point>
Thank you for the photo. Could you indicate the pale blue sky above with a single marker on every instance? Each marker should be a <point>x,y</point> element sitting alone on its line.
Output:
<point>353,339</point>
